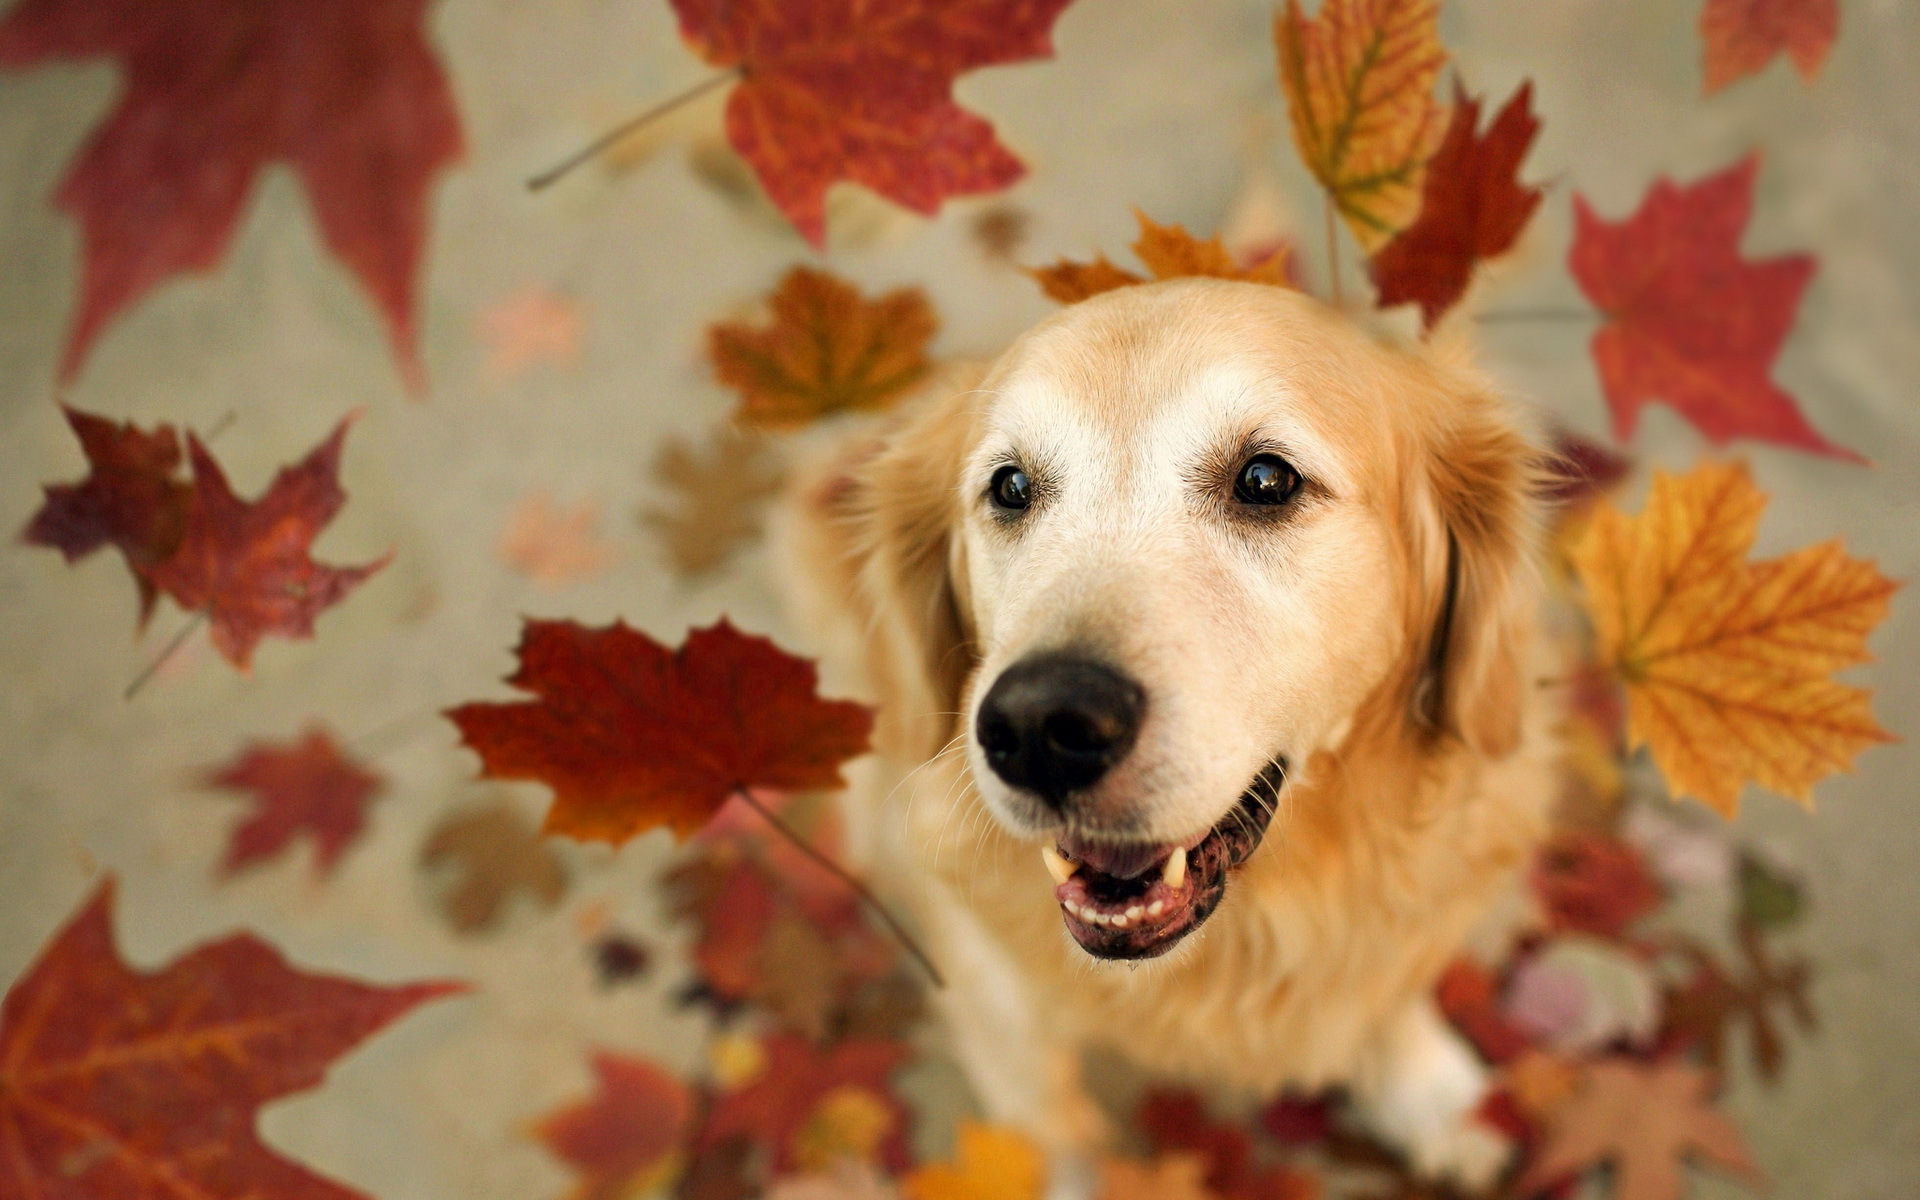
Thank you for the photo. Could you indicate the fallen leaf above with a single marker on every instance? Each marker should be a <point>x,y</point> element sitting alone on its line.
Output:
<point>1683,850</point>
<point>848,1125</point>
<point>1173,1177</point>
<point>1000,231</point>
<point>1579,994</point>
<point>554,544</point>
<point>351,97</point>
<point>132,499</point>
<point>1593,883</point>
<point>622,1140</point>
<point>723,1171</point>
<point>1739,37</point>
<point>774,1108</point>
<point>990,1163</point>
<point>1472,208</point>
<point>1726,662</point>
<point>1702,1011</point>
<point>845,1181</point>
<point>1644,1121</point>
<point>864,93</point>
<point>1689,323</point>
<point>1168,252</point>
<point>1539,1082</point>
<point>306,787</point>
<point>490,854</point>
<point>827,350</point>
<point>1469,996</point>
<point>632,736</point>
<point>246,565</point>
<point>1359,79</point>
<point>1177,1122</point>
<point>117,1083</point>
<point>1297,1120</point>
<point>1769,897</point>
<point>719,492</point>
<point>532,326</point>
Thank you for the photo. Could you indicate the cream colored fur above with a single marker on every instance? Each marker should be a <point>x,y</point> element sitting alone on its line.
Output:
<point>1381,639</point>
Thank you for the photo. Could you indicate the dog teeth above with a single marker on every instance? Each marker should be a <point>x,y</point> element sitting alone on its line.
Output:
<point>1156,908</point>
<point>1175,872</point>
<point>1136,912</point>
<point>1058,865</point>
<point>1121,921</point>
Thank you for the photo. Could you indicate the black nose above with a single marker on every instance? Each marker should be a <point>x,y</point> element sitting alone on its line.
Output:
<point>1055,723</point>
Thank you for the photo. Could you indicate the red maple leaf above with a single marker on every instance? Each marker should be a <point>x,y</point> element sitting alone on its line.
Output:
<point>1739,37</point>
<point>247,565</point>
<point>864,92</point>
<point>778,1102</point>
<point>631,736</point>
<point>1469,995</point>
<point>1472,207</point>
<point>1689,322</point>
<point>133,499</point>
<point>1594,883</point>
<point>307,787</point>
<point>1177,1122</point>
<point>348,93</point>
<point>119,1085</point>
<point>634,1120</point>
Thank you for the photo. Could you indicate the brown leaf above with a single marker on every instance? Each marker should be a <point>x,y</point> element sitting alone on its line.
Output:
<point>491,853</point>
<point>1644,1121</point>
<point>719,493</point>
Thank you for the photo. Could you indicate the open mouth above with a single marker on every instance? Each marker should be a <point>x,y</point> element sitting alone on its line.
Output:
<point>1138,899</point>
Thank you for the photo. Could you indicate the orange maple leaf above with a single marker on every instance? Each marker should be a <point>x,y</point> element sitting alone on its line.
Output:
<point>1645,1121</point>
<point>827,350</point>
<point>990,1163</point>
<point>555,544</point>
<point>1359,84</point>
<point>623,1139</point>
<point>1740,37</point>
<point>1726,662</point>
<point>1169,252</point>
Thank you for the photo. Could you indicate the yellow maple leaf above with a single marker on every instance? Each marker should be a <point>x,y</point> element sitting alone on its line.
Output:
<point>991,1163</point>
<point>1359,84</point>
<point>1169,252</point>
<point>1726,663</point>
<point>828,349</point>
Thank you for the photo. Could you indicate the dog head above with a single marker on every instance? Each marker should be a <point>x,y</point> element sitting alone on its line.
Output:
<point>1167,551</point>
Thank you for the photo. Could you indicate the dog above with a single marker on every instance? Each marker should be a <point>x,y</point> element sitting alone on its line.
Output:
<point>1204,633</point>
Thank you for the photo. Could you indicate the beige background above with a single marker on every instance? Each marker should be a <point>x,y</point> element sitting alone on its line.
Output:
<point>1171,106</point>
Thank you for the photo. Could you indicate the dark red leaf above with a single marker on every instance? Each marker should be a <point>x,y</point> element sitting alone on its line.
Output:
<point>246,565</point>
<point>306,787</point>
<point>119,1085</point>
<point>778,1102</point>
<point>1594,883</point>
<point>624,1132</point>
<point>1469,996</point>
<point>1689,322</point>
<point>348,93</point>
<point>1739,37</point>
<point>632,736</point>
<point>1472,208</point>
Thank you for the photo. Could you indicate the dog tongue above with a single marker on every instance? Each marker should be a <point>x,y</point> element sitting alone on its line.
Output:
<point>1126,861</point>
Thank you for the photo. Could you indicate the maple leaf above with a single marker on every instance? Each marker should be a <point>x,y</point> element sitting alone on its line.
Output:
<point>1359,79</point>
<point>305,787</point>
<point>622,1140</point>
<point>631,736</point>
<point>1174,1177</point>
<point>1644,1121</point>
<point>720,491</point>
<point>1741,36</point>
<point>350,95</point>
<point>1726,662</point>
<point>775,1108</point>
<point>491,853</point>
<point>990,1163</point>
<point>1703,1009</point>
<point>1472,208</point>
<point>827,350</point>
<point>1689,323</point>
<point>117,1083</point>
<point>534,325</point>
<point>1177,1122</point>
<point>132,499</point>
<point>555,544</point>
<point>864,92</point>
<point>1469,996</point>
<point>1168,252</point>
<point>1595,883</point>
<point>246,565</point>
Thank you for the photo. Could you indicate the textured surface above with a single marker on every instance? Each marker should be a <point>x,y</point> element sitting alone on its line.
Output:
<point>1148,103</point>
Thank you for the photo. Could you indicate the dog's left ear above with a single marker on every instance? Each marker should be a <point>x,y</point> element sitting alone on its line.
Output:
<point>1477,547</point>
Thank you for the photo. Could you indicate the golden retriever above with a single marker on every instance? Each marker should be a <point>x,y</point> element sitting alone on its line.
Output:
<point>1203,636</point>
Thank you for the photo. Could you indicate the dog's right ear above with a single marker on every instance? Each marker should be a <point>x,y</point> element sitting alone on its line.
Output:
<point>905,508</point>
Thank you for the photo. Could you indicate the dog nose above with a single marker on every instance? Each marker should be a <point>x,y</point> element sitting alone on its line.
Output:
<point>1055,723</point>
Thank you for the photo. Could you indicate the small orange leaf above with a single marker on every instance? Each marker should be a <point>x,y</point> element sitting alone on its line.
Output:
<point>1169,252</point>
<point>827,350</point>
<point>1643,1120</point>
<point>1359,84</point>
<point>1726,662</point>
<point>990,1163</point>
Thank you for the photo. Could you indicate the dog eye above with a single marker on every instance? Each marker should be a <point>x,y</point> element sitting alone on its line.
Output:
<point>1010,488</point>
<point>1266,479</point>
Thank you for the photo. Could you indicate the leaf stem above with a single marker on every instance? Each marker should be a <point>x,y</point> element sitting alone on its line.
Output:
<point>860,889</point>
<point>559,170</point>
<point>166,652</point>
